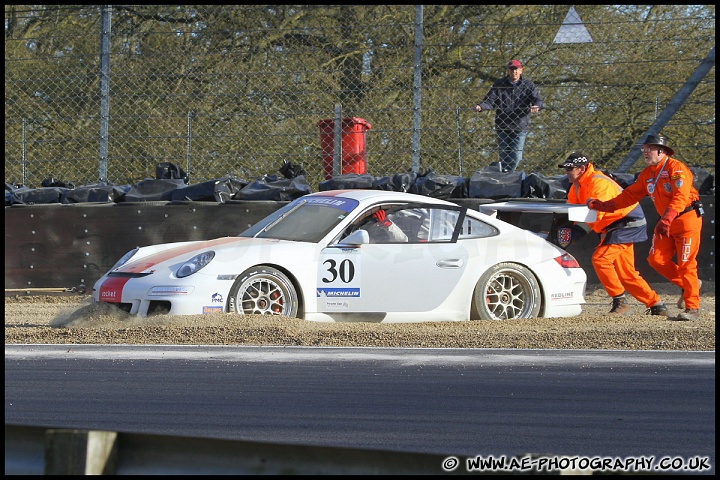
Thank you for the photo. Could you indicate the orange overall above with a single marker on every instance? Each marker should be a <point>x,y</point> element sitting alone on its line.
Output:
<point>670,185</point>
<point>614,263</point>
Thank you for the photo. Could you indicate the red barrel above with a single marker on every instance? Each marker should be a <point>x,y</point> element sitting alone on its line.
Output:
<point>354,156</point>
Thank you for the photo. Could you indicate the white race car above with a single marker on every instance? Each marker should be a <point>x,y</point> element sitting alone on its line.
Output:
<point>356,255</point>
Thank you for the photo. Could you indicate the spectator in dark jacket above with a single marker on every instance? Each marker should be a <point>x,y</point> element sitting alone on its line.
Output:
<point>513,98</point>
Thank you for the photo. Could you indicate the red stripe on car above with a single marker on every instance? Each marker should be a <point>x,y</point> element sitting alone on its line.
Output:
<point>152,260</point>
<point>111,289</point>
<point>332,193</point>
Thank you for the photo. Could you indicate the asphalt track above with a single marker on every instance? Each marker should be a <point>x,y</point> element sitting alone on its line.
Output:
<point>463,402</point>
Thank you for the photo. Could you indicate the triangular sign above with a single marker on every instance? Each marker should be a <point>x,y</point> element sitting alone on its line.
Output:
<point>572,30</point>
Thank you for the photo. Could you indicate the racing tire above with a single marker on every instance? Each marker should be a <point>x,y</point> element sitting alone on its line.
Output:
<point>263,290</point>
<point>506,291</point>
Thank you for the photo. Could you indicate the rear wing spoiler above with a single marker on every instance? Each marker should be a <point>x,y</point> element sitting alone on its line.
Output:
<point>575,213</point>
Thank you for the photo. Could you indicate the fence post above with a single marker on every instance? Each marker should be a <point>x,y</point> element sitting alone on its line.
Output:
<point>80,452</point>
<point>459,139</point>
<point>337,141</point>
<point>189,137</point>
<point>417,83</point>
<point>24,150</point>
<point>106,14</point>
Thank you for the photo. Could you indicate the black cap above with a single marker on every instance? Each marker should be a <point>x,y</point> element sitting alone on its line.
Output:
<point>575,159</point>
<point>659,140</point>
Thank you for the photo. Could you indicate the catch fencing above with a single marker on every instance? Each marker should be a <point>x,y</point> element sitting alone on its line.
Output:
<point>102,94</point>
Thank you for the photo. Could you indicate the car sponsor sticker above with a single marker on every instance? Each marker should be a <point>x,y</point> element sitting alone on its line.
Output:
<point>338,292</point>
<point>212,309</point>
<point>337,305</point>
<point>344,204</point>
<point>111,289</point>
<point>564,236</point>
<point>339,275</point>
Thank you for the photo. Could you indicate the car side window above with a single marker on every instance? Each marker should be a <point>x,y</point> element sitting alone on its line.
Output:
<point>473,228</point>
<point>400,224</point>
<point>383,228</point>
<point>442,223</point>
<point>414,224</point>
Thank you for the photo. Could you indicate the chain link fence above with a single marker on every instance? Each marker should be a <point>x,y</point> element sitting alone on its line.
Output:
<point>105,93</point>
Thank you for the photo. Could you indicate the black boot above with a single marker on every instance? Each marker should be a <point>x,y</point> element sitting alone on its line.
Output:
<point>620,306</point>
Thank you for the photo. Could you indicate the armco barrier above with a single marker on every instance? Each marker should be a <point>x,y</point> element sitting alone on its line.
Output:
<point>65,246</point>
<point>52,451</point>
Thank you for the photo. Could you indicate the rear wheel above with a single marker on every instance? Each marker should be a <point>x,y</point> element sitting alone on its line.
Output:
<point>263,291</point>
<point>506,291</point>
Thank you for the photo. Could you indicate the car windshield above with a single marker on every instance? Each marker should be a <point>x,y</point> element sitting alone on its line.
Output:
<point>307,219</point>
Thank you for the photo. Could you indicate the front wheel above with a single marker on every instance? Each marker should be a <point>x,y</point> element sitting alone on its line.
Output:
<point>263,291</point>
<point>506,291</point>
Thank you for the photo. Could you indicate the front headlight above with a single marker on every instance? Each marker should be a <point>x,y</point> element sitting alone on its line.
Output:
<point>195,264</point>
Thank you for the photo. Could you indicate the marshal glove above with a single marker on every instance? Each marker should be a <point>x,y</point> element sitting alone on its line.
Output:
<point>595,204</point>
<point>662,228</point>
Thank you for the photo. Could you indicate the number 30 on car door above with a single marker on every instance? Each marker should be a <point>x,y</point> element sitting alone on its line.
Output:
<point>338,281</point>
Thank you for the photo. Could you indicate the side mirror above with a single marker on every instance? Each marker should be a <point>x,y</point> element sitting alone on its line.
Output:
<point>356,238</point>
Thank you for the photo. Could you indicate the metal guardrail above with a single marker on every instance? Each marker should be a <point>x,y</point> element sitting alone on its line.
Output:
<point>31,450</point>
<point>38,450</point>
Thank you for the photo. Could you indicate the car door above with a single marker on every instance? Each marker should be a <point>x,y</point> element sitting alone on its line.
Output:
<point>413,276</point>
